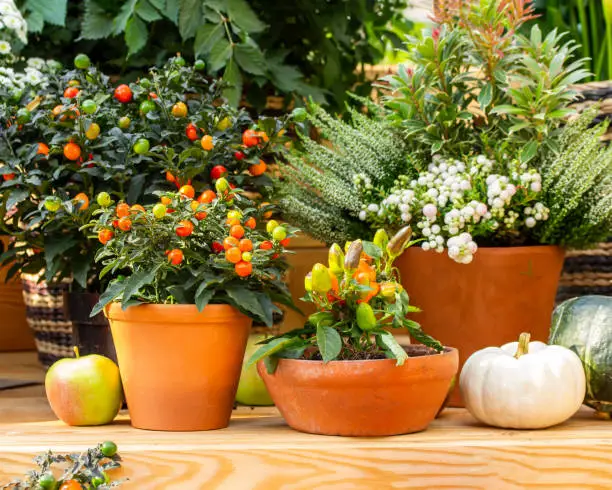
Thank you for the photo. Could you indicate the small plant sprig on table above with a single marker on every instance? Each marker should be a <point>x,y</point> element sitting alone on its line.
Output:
<point>193,251</point>
<point>357,298</point>
<point>81,471</point>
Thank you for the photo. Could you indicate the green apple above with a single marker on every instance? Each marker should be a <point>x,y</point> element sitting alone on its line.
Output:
<point>84,390</point>
<point>251,389</point>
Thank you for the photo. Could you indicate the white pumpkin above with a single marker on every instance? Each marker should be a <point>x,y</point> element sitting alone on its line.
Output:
<point>523,385</point>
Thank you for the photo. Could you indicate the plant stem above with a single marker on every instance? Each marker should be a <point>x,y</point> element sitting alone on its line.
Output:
<point>523,345</point>
<point>609,46</point>
<point>586,48</point>
<point>595,25</point>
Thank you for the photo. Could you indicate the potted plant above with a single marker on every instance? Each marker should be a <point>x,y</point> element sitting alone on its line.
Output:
<point>186,278</point>
<point>82,137</point>
<point>344,373</point>
<point>489,176</point>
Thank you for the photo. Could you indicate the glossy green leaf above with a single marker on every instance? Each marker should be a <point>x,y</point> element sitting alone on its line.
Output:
<point>136,35</point>
<point>250,58</point>
<point>232,76</point>
<point>329,342</point>
<point>241,14</point>
<point>220,53</point>
<point>206,37</point>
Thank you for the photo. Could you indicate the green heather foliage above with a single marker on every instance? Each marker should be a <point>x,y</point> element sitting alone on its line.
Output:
<point>578,187</point>
<point>317,189</point>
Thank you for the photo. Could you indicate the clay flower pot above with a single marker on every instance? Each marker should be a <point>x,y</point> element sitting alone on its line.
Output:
<point>362,398</point>
<point>179,367</point>
<point>502,293</point>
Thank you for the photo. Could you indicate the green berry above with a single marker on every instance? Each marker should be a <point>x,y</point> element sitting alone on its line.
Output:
<point>199,65</point>
<point>23,116</point>
<point>89,106</point>
<point>159,211</point>
<point>299,114</point>
<point>108,449</point>
<point>47,481</point>
<point>82,61</point>
<point>180,61</point>
<point>141,146</point>
<point>147,106</point>
<point>124,122</point>
<point>271,225</point>
<point>104,199</point>
<point>52,204</point>
<point>279,233</point>
<point>145,83</point>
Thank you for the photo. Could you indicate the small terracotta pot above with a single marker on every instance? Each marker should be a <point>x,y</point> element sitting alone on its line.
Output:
<point>503,292</point>
<point>361,398</point>
<point>179,367</point>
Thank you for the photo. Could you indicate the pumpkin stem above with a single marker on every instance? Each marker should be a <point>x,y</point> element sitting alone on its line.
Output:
<point>523,345</point>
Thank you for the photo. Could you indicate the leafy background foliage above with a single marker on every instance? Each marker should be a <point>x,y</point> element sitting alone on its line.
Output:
<point>309,48</point>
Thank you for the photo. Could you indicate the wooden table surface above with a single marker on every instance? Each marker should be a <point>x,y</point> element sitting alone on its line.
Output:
<point>258,451</point>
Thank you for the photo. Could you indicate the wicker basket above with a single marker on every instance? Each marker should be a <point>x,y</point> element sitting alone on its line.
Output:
<point>590,271</point>
<point>47,318</point>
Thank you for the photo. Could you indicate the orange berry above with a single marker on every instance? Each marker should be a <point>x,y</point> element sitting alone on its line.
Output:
<point>267,214</point>
<point>166,200</point>
<point>184,228</point>
<point>43,149</point>
<point>71,92</point>
<point>237,231</point>
<point>72,151</point>
<point>267,245</point>
<point>123,210</point>
<point>10,176</point>
<point>57,110</point>
<point>175,256</point>
<point>250,223</point>
<point>250,138</point>
<point>207,197</point>
<point>201,215</point>
<point>233,255</point>
<point>137,208</point>
<point>232,222</point>
<point>194,205</point>
<point>243,269</point>
<point>285,242</point>
<point>258,169</point>
<point>230,242</point>
<point>125,224</point>
<point>187,191</point>
<point>245,245</point>
<point>105,236</point>
<point>207,142</point>
<point>82,198</point>
<point>170,177</point>
<point>263,135</point>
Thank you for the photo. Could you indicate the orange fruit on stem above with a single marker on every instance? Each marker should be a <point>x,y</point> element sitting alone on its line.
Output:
<point>72,151</point>
<point>250,223</point>
<point>207,142</point>
<point>233,255</point>
<point>258,169</point>
<point>123,210</point>
<point>230,242</point>
<point>187,191</point>
<point>237,231</point>
<point>250,138</point>
<point>243,269</point>
<point>267,245</point>
<point>137,208</point>
<point>245,245</point>
<point>175,256</point>
<point>82,198</point>
<point>105,236</point>
<point>207,197</point>
<point>125,224</point>
<point>43,149</point>
<point>184,228</point>
<point>166,200</point>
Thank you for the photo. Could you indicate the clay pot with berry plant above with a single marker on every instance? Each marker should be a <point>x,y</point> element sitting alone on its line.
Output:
<point>188,276</point>
<point>344,373</point>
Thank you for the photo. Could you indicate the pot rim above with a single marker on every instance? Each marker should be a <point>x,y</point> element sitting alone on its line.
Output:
<point>503,250</point>
<point>448,352</point>
<point>172,313</point>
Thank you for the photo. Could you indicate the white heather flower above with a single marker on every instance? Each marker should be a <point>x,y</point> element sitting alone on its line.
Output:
<point>37,63</point>
<point>536,186</point>
<point>5,47</point>
<point>435,229</point>
<point>430,210</point>
<point>362,215</point>
<point>433,192</point>
<point>426,231</point>
<point>498,203</point>
<point>481,209</point>
<point>440,240</point>
<point>373,208</point>
<point>481,160</point>
<point>406,217</point>
<point>425,246</point>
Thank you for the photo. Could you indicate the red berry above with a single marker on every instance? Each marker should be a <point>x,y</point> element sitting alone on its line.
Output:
<point>217,172</point>
<point>123,94</point>
<point>239,155</point>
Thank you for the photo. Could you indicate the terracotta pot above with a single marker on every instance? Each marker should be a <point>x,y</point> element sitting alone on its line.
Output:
<point>503,292</point>
<point>179,367</point>
<point>15,334</point>
<point>361,398</point>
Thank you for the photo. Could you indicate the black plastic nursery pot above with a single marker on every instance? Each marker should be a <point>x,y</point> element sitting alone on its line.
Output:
<point>91,335</point>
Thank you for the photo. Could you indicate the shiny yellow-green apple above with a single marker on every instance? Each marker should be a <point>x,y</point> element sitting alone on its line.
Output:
<point>251,389</point>
<point>84,390</point>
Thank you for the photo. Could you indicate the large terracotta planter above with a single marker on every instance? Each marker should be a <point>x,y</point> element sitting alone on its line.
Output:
<point>361,398</point>
<point>179,367</point>
<point>503,292</point>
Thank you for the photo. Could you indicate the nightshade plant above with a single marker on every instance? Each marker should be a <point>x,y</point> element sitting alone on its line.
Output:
<point>358,297</point>
<point>193,251</point>
<point>480,116</point>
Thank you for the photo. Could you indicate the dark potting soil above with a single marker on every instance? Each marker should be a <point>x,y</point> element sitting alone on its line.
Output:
<point>415,350</point>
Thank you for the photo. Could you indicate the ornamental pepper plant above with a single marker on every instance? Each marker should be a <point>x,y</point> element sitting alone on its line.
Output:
<point>358,297</point>
<point>193,251</point>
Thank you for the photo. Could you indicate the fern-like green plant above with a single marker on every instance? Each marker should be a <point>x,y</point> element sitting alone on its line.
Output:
<point>317,188</point>
<point>577,187</point>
